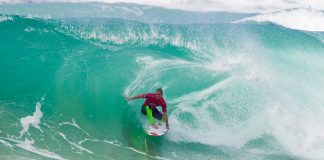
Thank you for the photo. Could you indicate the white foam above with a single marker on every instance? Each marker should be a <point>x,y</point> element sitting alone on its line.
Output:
<point>299,129</point>
<point>301,19</point>
<point>78,146</point>
<point>133,149</point>
<point>244,65</point>
<point>202,95</point>
<point>224,63</point>
<point>146,75</point>
<point>6,143</point>
<point>234,136</point>
<point>204,98</point>
<point>28,145</point>
<point>74,124</point>
<point>255,6</point>
<point>154,35</point>
<point>33,120</point>
<point>86,139</point>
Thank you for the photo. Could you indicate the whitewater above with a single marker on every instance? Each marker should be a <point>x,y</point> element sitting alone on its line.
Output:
<point>241,80</point>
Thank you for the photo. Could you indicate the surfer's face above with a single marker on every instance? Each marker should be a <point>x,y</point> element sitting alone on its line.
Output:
<point>158,94</point>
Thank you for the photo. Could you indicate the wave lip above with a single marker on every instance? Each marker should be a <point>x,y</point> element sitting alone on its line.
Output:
<point>237,6</point>
<point>299,19</point>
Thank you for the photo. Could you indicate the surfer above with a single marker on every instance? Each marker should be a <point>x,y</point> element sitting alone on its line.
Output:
<point>149,107</point>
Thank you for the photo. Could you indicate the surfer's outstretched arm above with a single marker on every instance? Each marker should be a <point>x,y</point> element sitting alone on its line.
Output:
<point>165,118</point>
<point>135,97</point>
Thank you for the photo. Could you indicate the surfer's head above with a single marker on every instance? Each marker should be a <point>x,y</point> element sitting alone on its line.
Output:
<point>159,93</point>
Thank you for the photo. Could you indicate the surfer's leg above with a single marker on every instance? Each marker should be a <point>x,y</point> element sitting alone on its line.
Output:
<point>157,114</point>
<point>143,110</point>
<point>149,114</point>
<point>146,110</point>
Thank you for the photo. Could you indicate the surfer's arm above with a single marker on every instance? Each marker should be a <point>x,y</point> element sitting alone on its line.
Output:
<point>135,97</point>
<point>165,118</point>
<point>165,115</point>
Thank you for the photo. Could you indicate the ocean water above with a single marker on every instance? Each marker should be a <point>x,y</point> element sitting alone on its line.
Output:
<point>238,86</point>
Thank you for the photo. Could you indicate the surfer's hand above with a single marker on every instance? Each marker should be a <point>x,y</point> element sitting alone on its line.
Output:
<point>128,98</point>
<point>155,126</point>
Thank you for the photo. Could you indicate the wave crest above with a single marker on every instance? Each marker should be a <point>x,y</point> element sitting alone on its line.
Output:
<point>300,19</point>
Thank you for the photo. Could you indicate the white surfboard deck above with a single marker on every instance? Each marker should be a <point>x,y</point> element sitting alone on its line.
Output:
<point>150,130</point>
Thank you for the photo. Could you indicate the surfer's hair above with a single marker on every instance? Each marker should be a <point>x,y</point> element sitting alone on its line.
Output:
<point>160,89</point>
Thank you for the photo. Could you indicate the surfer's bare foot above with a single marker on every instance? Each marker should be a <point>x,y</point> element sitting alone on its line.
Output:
<point>155,126</point>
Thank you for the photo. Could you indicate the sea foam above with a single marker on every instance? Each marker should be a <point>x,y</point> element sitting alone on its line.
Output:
<point>33,120</point>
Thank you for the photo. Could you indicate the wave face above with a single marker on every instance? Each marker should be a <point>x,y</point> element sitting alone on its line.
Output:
<point>234,90</point>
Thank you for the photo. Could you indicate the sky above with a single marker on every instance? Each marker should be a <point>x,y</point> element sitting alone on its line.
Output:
<point>240,6</point>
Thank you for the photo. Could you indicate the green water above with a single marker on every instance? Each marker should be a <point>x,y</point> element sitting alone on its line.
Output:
<point>234,91</point>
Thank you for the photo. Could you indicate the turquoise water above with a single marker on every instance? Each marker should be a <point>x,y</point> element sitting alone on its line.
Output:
<point>234,90</point>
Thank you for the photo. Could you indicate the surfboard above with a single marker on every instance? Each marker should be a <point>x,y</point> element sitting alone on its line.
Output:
<point>161,130</point>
